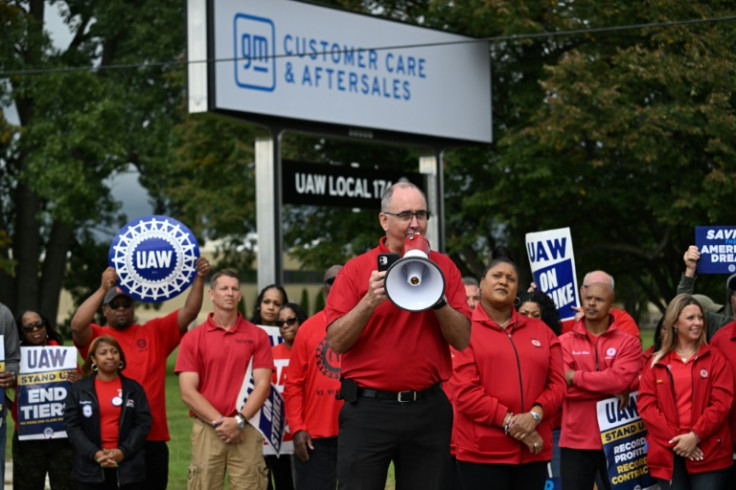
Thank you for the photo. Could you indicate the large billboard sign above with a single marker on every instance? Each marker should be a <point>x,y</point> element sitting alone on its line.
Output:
<point>301,61</point>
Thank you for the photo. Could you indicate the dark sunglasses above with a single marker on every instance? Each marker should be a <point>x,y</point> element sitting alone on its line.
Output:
<point>126,303</point>
<point>290,322</point>
<point>33,326</point>
<point>329,281</point>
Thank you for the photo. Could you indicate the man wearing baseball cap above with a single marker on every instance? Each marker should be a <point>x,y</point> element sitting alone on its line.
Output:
<point>146,348</point>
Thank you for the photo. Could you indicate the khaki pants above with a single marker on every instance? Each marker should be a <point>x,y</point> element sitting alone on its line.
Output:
<point>212,458</point>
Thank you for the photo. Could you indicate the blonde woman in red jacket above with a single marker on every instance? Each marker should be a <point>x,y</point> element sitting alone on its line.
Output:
<point>685,396</point>
<point>506,387</point>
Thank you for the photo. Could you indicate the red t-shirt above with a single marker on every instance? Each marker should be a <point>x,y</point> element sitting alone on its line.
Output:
<point>110,398</point>
<point>221,358</point>
<point>146,348</point>
<point>281,355</point>
<point>313,381</point>
<point>398,349</point>
<point>682,376</point>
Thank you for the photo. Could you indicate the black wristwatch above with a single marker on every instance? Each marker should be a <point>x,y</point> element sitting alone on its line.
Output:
<point>440,303</point>
<point>240,420</point>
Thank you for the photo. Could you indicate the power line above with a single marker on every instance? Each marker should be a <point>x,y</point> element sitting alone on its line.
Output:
<point>491,40</point>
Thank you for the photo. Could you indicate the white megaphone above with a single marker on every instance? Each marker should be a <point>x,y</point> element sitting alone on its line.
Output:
<point>414,282</point>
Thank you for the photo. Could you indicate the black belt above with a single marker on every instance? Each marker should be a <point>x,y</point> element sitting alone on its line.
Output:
<point>399,396</point>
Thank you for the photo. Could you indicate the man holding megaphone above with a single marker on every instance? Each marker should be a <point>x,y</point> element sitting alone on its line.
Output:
<point>395,353</point>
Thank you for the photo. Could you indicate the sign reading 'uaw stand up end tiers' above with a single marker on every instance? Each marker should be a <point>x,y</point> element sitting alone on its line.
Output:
<point>155,258</point>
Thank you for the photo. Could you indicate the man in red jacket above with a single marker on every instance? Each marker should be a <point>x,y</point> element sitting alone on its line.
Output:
<point>623,320</point>
<point>725,341</point>
<point>600,361</point>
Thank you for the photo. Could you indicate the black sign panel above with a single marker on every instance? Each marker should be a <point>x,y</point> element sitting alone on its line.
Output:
<point>340,185</point>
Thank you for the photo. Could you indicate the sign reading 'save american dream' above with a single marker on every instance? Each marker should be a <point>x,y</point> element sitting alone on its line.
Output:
<point>717,246</point>
<point>303,61</point>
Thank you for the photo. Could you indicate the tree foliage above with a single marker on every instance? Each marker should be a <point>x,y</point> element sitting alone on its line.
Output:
<point>80,120</point>
<point>623,135</point>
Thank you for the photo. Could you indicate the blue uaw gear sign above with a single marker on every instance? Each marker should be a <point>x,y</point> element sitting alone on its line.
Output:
<point>155,258</point>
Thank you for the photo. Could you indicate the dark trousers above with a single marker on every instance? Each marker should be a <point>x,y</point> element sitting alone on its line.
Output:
<point>319,472</point>
<point>682,480</point>
<point>579,468</point>
<point>110,483</point>
<point>32,460</point>
<point>279,470</point>
<point>157,465</point>
<point>528,476</point>
<point>414,435</point>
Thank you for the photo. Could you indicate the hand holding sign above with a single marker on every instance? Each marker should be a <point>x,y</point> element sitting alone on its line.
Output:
<point>691,258</point>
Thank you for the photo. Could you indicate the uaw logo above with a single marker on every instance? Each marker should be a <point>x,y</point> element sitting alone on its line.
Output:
<point>327,361</point>
<point>155,258</point>
<point>254,52</point>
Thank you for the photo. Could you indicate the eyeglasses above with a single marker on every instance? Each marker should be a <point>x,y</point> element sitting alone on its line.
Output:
<point>126,303</point>
<point>33,326</point>
<point>329,281</point>
<point>289,321</point>
<point>421,215</point>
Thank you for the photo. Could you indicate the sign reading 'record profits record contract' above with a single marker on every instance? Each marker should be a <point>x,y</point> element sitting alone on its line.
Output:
<point>155,258</point>
<point>312,63</point>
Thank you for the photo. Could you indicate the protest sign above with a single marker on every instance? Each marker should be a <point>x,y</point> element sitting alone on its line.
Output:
<point>287,442</point>
<point>624,439</point>
<point>269,420</point>
<point>42,389</point>
<point>155,258</point>
<point>553,267</point>
<point>717,246</point>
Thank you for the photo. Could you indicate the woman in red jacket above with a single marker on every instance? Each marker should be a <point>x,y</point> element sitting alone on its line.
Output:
<point>506,386</point>
<point>685,396</point>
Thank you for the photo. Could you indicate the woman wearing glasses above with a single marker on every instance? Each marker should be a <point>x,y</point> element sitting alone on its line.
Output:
<point>32,460</point>
<point>289,318</point>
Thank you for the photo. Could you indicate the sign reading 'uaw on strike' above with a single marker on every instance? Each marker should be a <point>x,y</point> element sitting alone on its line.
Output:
<point>553,267</point>
<point>155,258</point>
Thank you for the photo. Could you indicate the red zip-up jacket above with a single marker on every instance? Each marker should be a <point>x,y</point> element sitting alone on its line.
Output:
<point>725,341</point>
<point>603,369</point>
<point>504,371</point>
<point>712,398</point>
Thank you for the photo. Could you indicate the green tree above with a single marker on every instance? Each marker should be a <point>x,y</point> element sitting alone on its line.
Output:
<point>624,138</point>
<point>81,120</point>
<point>304,301</point>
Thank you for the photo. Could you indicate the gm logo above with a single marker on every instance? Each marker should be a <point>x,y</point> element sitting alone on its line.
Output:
<point>255,47</point>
